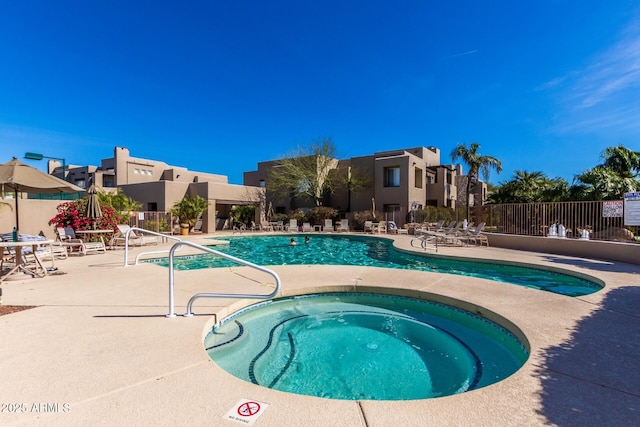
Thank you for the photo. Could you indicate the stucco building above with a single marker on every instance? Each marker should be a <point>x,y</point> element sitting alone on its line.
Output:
<point>395,182</point>
<point>158,185</point>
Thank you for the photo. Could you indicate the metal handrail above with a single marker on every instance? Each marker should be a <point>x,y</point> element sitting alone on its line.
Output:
<point>126,244</point>
<point>189,312</point>
<point>424,239</point>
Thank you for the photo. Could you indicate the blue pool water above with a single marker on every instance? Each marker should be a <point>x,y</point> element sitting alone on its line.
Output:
<point>364,346</point>
<point>377,252</point>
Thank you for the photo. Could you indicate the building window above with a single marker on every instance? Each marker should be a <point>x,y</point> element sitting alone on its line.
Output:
<point>418,177</point>
<point>136,171</point>
<point>392,176</point>
<point>391,208</point>
<point>108,181</point>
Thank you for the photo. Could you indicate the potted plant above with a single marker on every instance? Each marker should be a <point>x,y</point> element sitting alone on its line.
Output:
<point>188,210</point>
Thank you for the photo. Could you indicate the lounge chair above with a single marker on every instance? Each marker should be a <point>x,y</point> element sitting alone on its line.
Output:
<point>293,225</point>
<point>380,227</point>
<point>328,225</point>
<point>438,226</point>
<point>450,230</point>
<point>265,226</point>
<point>424,228</point>
<point>306,227</point>
<point>444,230</point>
<point>344,225</point>
<point>67,238</point>
<point>134,239</point>
<point>471,236</point>
<point>198,227</point>
<point>368,226</point>
<point>394,229</point>
<point>478,237</point>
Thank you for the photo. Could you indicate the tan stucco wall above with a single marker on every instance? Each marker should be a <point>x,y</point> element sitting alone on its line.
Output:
<point>34,215</point>
<point>594,249</point>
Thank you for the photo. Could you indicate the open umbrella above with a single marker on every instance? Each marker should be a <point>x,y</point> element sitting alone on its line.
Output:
<point>23,178</point>
<point>93,211</point>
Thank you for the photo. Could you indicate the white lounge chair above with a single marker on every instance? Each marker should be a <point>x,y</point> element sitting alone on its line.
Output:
<point>306,227</point>
<point>344,225</point>
<point>472,235</point>
<point>293,225</point>
<point>328,225</point>
<point>198,227</point>
<point>134,239</point>
<point>394,229</point>
<point>368,226</point>
<point>67,238</point>
<point>380,227</point>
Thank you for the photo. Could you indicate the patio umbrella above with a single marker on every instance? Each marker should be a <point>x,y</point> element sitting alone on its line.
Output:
<point>22,178</point>
<point>93,211</point>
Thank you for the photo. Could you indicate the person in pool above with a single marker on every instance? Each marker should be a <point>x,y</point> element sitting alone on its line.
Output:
<point>292,242</point>
<point>306,239</point>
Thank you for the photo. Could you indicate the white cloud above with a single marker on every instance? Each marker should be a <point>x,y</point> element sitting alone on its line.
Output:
<point>605,95</point>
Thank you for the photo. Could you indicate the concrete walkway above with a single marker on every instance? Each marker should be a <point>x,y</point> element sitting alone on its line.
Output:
<point>98,349</point>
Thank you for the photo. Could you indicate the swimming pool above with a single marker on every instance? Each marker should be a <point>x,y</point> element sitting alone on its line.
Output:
<point>364,346</point>
<point>379,252</point>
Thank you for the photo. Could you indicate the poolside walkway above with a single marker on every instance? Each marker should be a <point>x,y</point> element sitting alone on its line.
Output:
<point>98,350</point>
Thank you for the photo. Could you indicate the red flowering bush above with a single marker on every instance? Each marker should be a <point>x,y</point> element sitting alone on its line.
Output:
<point>71,214</point>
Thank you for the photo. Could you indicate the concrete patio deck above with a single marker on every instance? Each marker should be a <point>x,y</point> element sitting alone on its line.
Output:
<point>98,350</point>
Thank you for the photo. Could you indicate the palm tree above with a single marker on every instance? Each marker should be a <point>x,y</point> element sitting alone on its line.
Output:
<point>602,183</point>
<point>621,160</point>
<point>618,174</point>
<point>527,187</point>
<point>477,164</point>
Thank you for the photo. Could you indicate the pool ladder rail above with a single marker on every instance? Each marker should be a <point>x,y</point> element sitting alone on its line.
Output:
<point>142,230</point>
<point>177,246</point>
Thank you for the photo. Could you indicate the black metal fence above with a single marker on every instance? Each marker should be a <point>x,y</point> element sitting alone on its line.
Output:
<point>603,220</point>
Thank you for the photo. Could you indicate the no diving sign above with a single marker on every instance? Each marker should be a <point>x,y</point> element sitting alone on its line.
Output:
<point>246,411</point>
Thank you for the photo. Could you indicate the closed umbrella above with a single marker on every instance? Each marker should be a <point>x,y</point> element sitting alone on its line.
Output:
<point>270,212</point>
<point>93,211</point>
<point>22,178</point>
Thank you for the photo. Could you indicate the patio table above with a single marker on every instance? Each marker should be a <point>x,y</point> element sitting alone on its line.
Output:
<point>20,266</point>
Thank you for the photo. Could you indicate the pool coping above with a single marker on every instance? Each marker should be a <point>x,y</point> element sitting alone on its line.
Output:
<point>92,343</point>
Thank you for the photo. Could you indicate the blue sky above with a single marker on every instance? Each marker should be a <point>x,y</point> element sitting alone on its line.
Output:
<point>217,86</point>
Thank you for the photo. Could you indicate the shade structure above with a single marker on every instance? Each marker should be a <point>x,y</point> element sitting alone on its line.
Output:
<point>22,178</point>
<point>93,211</point>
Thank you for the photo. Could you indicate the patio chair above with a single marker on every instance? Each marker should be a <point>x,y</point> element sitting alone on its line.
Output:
<point>380,227</point>
<point>368,226</point>
<point>450,230</point>
<point>438,226</point>
<point>328,225</point>
<point>306,227</point>
<point>473,235</point>
<point>293,225</point>
<point>67,238</point>
<point>51,252</point>
<point>265,226</point>
<point>394,229</point>
<point>134,239</point>
<point>344,225</point>
<point>444,230</point>
<point>198,227</point>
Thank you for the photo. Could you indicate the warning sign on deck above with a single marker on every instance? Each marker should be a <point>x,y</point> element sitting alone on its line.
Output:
<point>246,411</point>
